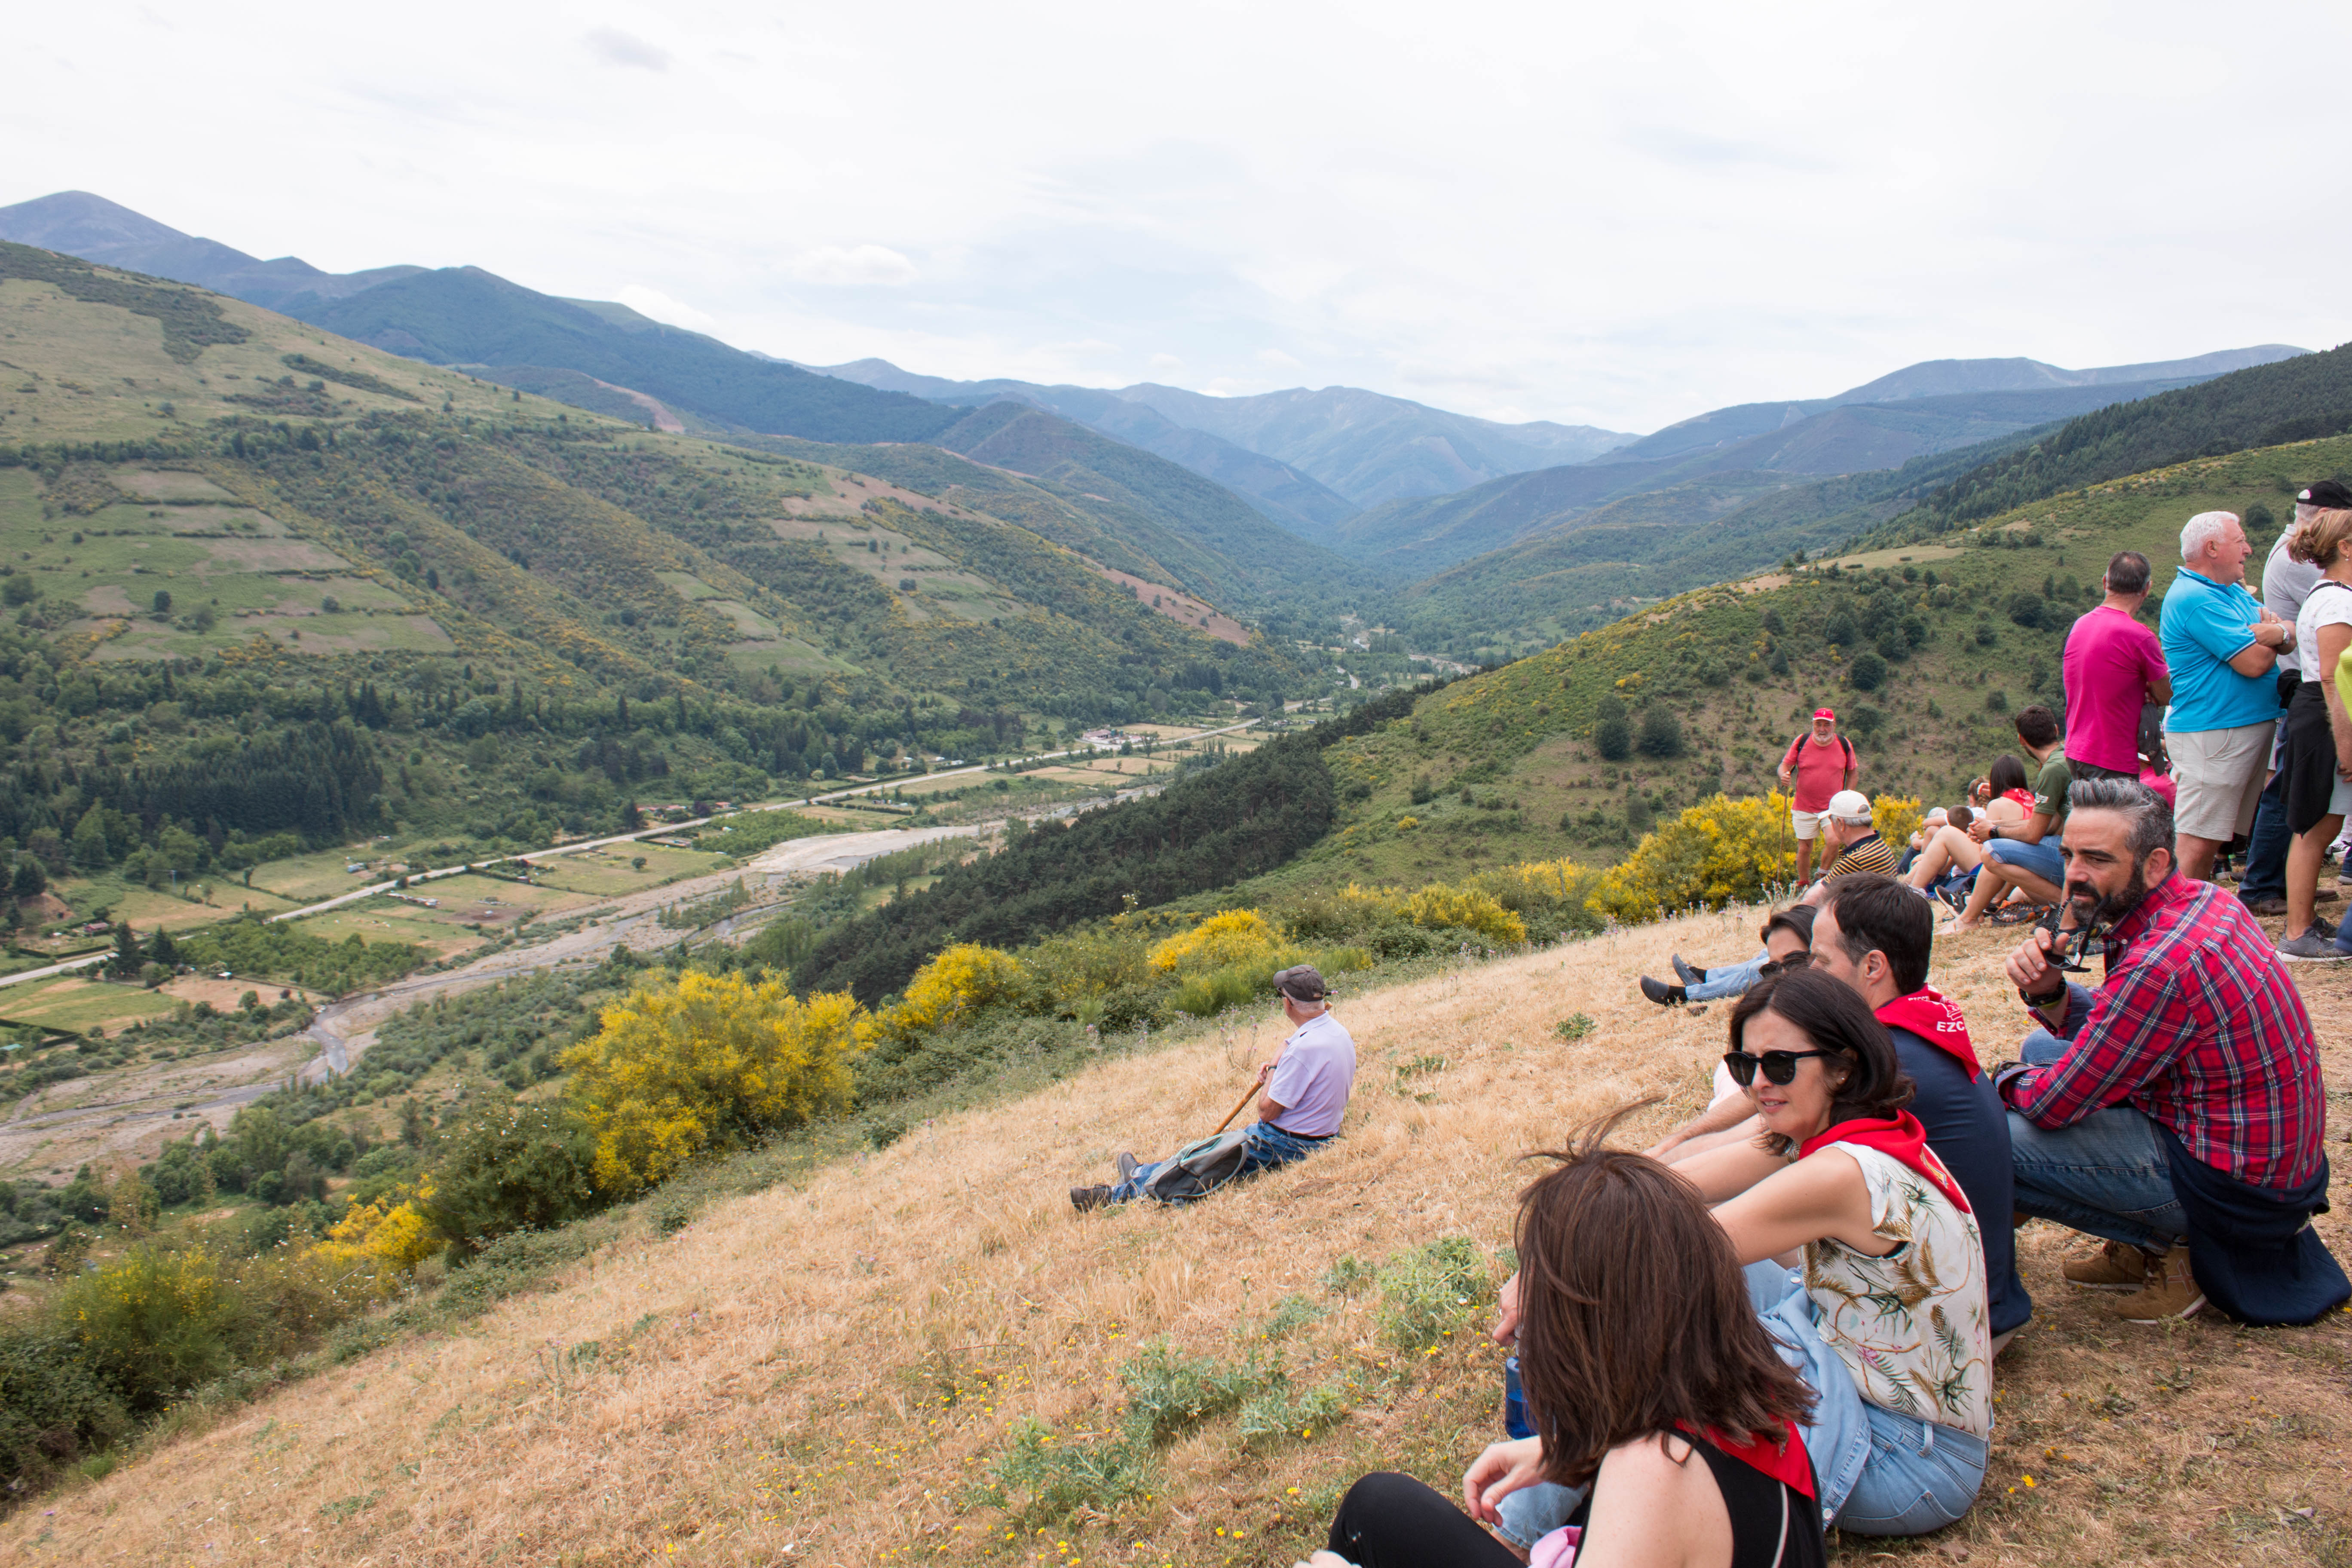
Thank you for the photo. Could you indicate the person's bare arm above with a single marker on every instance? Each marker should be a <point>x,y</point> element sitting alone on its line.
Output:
<point>1655,1505</point>
<point>1821,1195</point>
<point>2255,659</point>
<point>2160,689</point>
<point>1684,1153</point>
<point>1729,1111</point>
<point>1730,1169</point>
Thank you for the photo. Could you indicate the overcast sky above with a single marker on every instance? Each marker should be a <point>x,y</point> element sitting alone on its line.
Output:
<point>1616,215</point>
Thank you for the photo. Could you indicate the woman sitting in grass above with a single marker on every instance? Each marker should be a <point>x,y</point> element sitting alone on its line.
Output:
<point>1682,1423</point>
<point>1894,1260</point>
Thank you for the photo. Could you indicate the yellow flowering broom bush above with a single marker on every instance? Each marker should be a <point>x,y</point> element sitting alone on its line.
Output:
<point>959,983</point>
<point>1717,852</point>
<point>713,1062</point>
<point>393,1232</point>
<point>1229,936</point>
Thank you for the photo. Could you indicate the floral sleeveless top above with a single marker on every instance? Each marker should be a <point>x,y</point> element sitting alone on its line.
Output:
<point>1912,1326</point>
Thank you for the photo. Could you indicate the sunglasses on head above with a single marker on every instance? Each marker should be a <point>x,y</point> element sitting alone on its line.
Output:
<point>1780,1066</point>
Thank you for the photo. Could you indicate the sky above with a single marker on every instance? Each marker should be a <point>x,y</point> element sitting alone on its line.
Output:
<point>1618,215</point>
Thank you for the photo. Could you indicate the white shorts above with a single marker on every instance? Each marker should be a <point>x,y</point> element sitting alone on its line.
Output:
<point>1806,824</point>
<point>2221,775</point>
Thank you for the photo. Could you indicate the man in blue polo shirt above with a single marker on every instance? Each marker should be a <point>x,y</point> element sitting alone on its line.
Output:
<point>2221,645</point>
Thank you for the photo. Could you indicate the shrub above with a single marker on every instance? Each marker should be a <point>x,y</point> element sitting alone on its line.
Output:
<point>1996,701</point>
<point>1867,673</point>
<point>961,981</point>
<point>53,1407</point>
<point>1717,852</point>
<point>1612,737</point>
<point>1225,937</point>
<point>2028,610</point>
<point>710,1063</point>
<point>1661,733</point>
<point>397,1236</point>
<point>1466,908</point>
<point>510,1167</point>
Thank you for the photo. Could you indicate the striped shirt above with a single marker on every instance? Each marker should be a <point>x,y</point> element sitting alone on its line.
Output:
<point>1867,853</point>
<point>2198,1027</point>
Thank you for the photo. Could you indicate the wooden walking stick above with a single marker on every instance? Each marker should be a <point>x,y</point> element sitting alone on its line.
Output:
<point>1237,1110</point>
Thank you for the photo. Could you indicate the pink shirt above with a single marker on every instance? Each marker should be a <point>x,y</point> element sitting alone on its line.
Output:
<point>1820,770</point>
<point>2110,660</point>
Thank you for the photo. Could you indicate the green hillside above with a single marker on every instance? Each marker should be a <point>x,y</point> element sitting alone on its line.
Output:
<point>463,315</point>
<point>263,582</point>
<point>1925,650</point>
<point>2297,399</point>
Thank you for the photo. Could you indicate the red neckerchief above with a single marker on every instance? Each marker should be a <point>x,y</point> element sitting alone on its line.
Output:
<point>2023,797</point>
<point>1934,1018</point>
<point>1902,1137</point>
<point>1782,1457</point>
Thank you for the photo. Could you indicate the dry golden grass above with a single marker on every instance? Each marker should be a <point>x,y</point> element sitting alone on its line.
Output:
<point>823,1375</point>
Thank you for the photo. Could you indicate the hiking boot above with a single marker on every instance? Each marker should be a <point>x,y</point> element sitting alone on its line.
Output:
<point>1085,1198</point>
<point>2119,1266</point>
<point>1128,1164</point>
<point>1687,973</point>
<point>1664,994</point>
<point>2269,905</point>
<point>2312,948</point>
<point>2171,1292</point>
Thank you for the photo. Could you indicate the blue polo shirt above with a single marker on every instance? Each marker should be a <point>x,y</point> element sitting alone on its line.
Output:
<point>2204,622</point>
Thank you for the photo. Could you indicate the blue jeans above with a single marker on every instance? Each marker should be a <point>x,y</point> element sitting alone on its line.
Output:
<point>1728,979</point>
<point>2042,1048</point>
<point>2106,1176</point>
<point>2044,858</point>
<point>1266,1147</point>
<point>2266,875</point>
<point>1921,1476</point>
<point>1843,1437</point>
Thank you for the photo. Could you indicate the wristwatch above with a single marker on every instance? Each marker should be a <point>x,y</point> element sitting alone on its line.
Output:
<point>2033,1001</point>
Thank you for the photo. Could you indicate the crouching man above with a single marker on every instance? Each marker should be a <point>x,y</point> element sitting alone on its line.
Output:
<point>1302,1096</point>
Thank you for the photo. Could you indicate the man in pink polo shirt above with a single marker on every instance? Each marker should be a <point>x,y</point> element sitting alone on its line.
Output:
<point>1818,766</point>
<point>2115,666</point>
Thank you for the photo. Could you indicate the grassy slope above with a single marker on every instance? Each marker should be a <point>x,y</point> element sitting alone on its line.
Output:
<point>833,1364</point>
<point>1519,734</point>
<point>471,507</point>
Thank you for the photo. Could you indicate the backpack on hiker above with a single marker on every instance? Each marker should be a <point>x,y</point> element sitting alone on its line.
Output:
<point>1788,757</point>
<point>1199,1169</point>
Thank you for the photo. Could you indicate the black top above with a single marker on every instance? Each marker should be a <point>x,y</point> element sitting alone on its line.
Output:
<point>1773,1525</point>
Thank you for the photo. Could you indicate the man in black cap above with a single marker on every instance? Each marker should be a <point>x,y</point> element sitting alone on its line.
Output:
<point>1302,1094</point>
<point>2286,583</point>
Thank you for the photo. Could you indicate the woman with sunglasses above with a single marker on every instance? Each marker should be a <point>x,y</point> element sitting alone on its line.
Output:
<point>1893,1262</point>
<point>1681,1423</point>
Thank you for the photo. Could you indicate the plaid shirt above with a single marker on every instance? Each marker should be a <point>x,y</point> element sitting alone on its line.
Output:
<point>2198,1027</point>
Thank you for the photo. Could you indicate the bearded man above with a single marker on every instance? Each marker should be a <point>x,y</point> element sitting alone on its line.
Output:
<point>2177,1111</point>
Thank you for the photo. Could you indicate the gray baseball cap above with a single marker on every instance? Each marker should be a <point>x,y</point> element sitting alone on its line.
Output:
<point>1302,983</point>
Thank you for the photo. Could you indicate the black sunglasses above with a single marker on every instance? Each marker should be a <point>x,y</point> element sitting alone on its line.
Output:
<point>1794,961</point>
<point>1780,1066</point>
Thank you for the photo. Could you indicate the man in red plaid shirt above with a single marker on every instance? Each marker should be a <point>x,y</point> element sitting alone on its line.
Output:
<point>2182,1102</point>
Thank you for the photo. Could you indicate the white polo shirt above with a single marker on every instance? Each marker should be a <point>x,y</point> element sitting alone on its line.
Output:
<point>1312,1076</point>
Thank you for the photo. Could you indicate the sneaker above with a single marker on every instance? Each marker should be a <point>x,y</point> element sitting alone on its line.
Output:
<point>1664,994</point>
<point>1085,1198</point>
<point>1128,1166</point>
<point>2323,926</point>
<point>1689,975</point>
<point>2171,1292</point>
<point>2270,905</point>
<point>1955,896</point>
<point>2312,948</point>
<point>2118,1266</point>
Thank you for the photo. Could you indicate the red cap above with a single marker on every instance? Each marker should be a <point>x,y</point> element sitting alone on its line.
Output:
<point>1828,713</point>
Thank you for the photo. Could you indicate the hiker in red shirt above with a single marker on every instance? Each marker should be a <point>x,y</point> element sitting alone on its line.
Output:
<point>1818,766</point>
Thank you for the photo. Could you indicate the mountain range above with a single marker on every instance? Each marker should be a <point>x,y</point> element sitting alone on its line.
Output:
<point>1339,495</point>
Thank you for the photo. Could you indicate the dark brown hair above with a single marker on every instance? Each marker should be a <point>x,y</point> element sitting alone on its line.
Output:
<point>1797,918</point>
<point>1829,1013</point>
<point>2037,726</point>
<point>2008,773</point>
<point>1632,1313</point>
<point>1875,911</point>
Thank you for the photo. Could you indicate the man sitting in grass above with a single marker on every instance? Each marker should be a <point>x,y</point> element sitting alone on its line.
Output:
<point>2024,855</point>
<point>1302,1098</point>
<point>1854,846</point>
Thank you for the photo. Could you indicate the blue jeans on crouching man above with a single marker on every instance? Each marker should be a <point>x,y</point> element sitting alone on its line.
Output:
<point>1267,1146</point>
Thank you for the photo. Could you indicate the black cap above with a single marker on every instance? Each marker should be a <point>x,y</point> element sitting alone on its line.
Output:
<point>2328,493</point>
<point>1301,983</point>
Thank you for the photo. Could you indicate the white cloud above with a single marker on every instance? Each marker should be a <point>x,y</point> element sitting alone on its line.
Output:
<point>616,48</point>
<point>1630,215</point>
<point>854,266</point>
<point>653,302</point>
